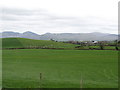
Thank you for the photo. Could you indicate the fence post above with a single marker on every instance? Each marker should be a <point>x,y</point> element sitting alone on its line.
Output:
<point>81,83</point>
<point>40,80</point>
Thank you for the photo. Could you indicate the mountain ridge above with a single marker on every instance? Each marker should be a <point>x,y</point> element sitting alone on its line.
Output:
<point>98,36</point>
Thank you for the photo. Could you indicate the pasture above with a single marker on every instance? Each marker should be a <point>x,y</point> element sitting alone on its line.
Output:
<point>23,43</point>
<point>60,68</point>
<point>31,43</point>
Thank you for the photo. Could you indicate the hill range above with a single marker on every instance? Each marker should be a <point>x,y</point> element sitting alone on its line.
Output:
<point>96,36</point>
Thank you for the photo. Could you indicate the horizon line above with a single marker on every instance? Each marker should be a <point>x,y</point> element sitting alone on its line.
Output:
<point>59,32</point>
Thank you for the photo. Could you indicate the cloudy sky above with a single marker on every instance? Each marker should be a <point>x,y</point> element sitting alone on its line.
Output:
<point>59,16</point>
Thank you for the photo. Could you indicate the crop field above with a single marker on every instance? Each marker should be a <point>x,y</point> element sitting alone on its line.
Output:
<point>60,68</point>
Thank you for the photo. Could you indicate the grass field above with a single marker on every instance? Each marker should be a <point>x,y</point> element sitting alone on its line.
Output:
<point>29,43</point>
<point>60,68</point>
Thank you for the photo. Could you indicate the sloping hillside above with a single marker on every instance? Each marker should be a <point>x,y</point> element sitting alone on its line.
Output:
<point>30,43</point>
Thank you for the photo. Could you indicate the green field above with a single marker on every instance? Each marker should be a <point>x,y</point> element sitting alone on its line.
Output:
<point>31,43</point>
<point>60,68</point>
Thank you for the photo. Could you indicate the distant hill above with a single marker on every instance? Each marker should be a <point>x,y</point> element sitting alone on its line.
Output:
<point>79,36</point>
<point>30,43</point>
<point>62,36</point>
<point>9,34</point>
<point>27,34</point>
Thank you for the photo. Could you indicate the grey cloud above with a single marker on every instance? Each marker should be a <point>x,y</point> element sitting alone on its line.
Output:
<point>21,11</point>
<point>33,15</point>
<point>43,21</point>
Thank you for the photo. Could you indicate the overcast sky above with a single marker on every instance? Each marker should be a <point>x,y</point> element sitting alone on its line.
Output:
<point>59,16</point>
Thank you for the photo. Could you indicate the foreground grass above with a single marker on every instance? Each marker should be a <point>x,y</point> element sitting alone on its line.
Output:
<point>60,68</point>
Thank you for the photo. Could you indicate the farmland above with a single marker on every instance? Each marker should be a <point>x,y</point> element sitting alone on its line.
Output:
<point>60,68</point>
<point>23,43</point>
<point>30,43</point>
<point>35,64</point>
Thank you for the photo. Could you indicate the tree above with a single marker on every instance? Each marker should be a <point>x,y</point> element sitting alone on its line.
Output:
<point>52,40</point>
<point>116,48</point>
<point>101,45</point>
<point>116,44</point>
